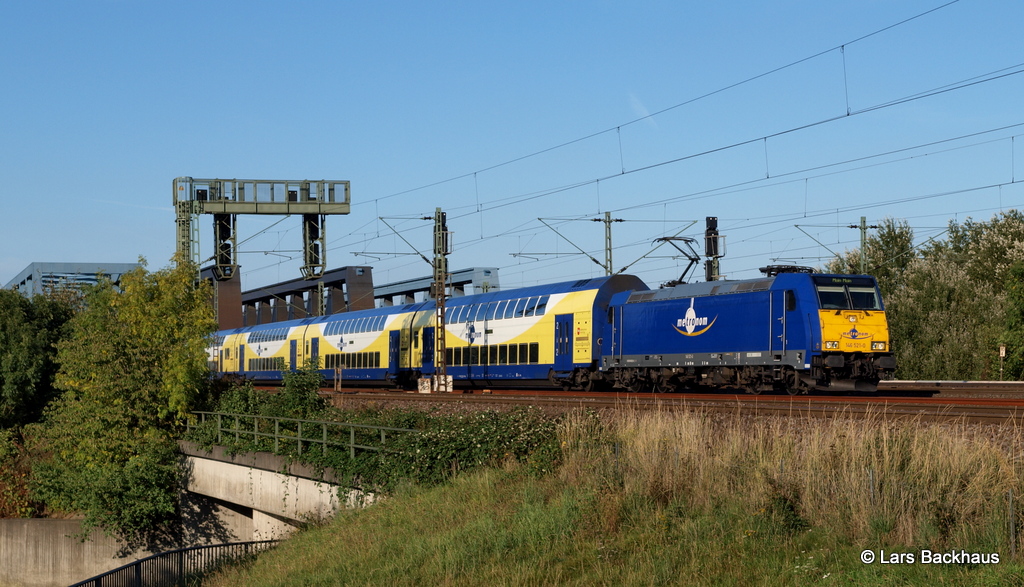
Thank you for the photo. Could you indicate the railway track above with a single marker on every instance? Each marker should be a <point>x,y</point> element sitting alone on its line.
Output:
<point>1008,389</point>
<point>940,407</point>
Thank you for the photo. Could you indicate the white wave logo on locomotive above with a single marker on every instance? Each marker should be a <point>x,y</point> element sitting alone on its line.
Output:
<point>692,321</point>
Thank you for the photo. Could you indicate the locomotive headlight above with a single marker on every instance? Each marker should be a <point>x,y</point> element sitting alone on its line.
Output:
<point>831,344</point>
<point>878,346</point>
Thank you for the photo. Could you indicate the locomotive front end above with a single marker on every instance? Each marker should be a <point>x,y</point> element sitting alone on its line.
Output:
<point>855,347</point>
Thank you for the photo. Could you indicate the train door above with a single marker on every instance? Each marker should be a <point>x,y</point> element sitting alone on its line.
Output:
<point>777,301</point>
<point>241,358</point>
<point>428,349</point>
<point>394,344</point>
<point>563,342</point>
<point>293,355</point>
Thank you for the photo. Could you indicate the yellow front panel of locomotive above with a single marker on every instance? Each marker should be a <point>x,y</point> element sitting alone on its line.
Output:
<point>854,331</point>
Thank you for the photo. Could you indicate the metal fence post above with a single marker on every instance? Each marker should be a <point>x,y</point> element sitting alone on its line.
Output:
<point>277,435</point>
<point>352,442</point>
<point>181,568</point>
<point>324,425</point>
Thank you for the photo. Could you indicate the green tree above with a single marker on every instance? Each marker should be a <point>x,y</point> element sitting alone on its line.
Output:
<point>29,331</point>
<point>133,366</point>
<point>1013,334</point>
<point>986,249</point>
<point>942,322</point>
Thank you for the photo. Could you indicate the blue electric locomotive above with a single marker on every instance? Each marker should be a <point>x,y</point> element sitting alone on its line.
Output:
<point>792,331</point>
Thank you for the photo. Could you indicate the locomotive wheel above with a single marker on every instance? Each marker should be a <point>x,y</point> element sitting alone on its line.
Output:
<point>664,386</point>
<point>754,389</point>
<point>637,384</point>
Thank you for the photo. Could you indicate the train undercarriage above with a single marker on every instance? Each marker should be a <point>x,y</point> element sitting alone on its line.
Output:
<point>842,372</point>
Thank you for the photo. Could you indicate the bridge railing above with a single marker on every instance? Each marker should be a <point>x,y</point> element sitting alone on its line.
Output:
<point>303,434</point>
<point>181,567</point>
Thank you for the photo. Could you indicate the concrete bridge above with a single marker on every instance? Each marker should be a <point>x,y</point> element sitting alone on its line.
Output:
<point>227,498</point>
<point>261,496</point>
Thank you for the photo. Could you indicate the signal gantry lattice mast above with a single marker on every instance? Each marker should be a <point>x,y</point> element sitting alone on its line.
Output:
<point>227,198</point>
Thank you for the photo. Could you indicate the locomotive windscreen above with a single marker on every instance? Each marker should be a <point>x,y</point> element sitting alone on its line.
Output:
<point>847,293</point>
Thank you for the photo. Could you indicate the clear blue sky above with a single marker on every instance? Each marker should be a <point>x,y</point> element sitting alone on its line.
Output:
<point>106,102</point>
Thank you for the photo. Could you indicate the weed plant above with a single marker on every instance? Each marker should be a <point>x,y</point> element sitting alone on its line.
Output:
<point>439,446</point>
<point>661,498</point>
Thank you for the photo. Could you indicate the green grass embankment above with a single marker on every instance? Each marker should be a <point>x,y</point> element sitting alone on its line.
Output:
<point>687,499</point>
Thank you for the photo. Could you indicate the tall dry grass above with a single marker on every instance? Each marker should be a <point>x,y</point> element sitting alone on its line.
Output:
<point>871,479</point>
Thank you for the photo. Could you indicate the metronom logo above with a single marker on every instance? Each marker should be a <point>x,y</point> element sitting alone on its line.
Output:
<point>687,326</point>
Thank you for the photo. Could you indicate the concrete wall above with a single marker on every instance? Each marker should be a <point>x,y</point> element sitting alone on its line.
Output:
<point>229,498</point>
<point>45,553</point>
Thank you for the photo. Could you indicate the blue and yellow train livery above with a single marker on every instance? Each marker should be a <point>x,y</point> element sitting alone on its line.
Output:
<point>795,332</point>
<point>792,332</point>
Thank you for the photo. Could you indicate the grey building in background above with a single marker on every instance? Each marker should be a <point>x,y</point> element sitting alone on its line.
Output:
<point>38,278</point>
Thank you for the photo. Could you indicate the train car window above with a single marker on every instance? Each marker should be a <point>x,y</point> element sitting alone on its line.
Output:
<point>864,298</point>
<point>510,309</point>
<point>531,306</point>
<point>492,354</point>
<point>790,300</point>
<point>503,354</point>
<point>534,353</point>
<point>520,307</point>
<point>499,312</point>
<point>491,307</point>
<point>833,297</point>
<point>542,306</point>
<point>513,354</point>
<point>474,355</point>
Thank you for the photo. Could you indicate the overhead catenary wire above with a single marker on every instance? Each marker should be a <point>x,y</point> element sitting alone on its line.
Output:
<point>479,206</point>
